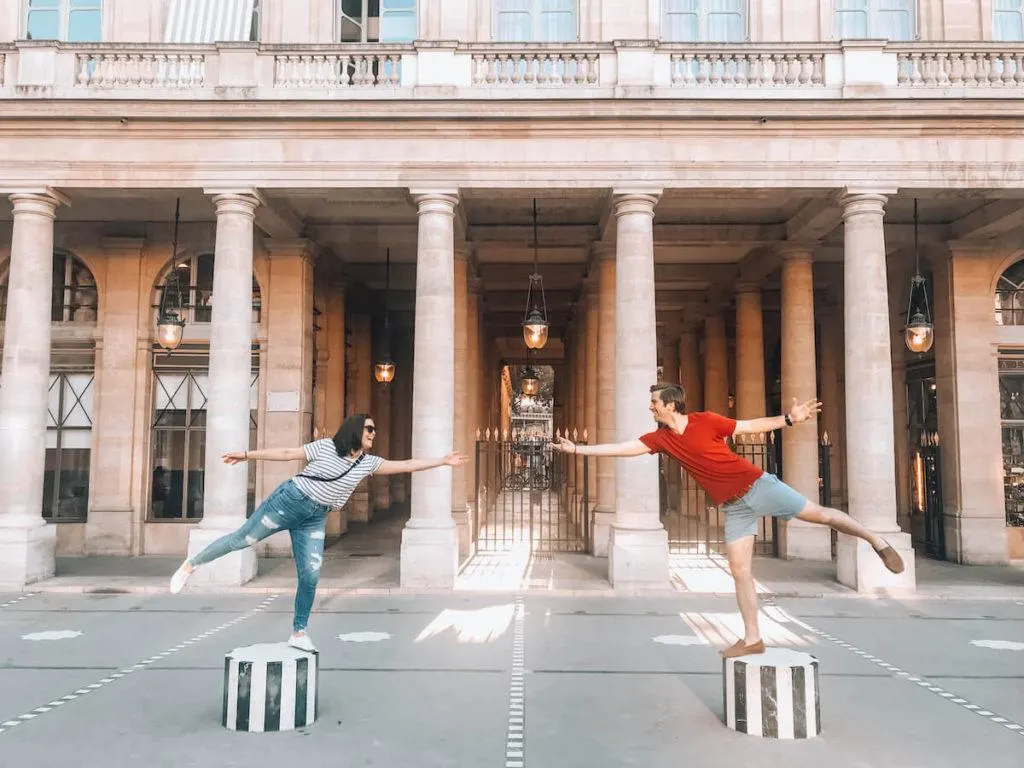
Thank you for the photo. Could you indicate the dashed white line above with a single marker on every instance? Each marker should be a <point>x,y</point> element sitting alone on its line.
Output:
<point>32,714</point>
<point>921,682</point>
<point>515,741</point>
<point>16,600</point>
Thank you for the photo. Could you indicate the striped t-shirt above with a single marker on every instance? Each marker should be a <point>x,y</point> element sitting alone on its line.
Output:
<point>325,462</point>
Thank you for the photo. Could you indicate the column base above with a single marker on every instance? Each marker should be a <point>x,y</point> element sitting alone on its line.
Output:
<point>638,559</point>
<point>27,555</point>
<point>108,531</point>
<point>463,519</point>
<point>429,557</point>
<point>337,522</point>
<point>976,540</point>
<point>799,540</point>
<point>603,520</point>
<point>358,507</point>
<point>232,570</point>
<point>858,565</point>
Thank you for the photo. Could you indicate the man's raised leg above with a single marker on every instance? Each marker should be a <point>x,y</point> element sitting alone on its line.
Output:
<point>842,522</point>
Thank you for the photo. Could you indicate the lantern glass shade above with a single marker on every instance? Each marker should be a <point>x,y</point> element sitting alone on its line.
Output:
<point>531,385</point>
<point>919,334</point>
<point>169,331</point>
<point>535,330</point>
<point>384,371</point>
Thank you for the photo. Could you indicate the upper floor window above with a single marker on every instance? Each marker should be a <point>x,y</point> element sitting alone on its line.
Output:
<point>537,21</point>
<point>875,19</point>
<point>1009,297</point>
<point>378,21</point>
<point>72,21</point>
<point>73,299</point>
<point>1008,20</point>
<point>206,21</point>
<point>191,278</point>
<point>703,21</point>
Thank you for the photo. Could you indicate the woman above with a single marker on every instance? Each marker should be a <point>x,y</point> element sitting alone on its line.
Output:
<point>300,505</point>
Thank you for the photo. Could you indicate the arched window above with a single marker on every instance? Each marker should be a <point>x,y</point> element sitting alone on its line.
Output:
<point>73,298</point>
<point>1009,298</point>
<point>195,278</point>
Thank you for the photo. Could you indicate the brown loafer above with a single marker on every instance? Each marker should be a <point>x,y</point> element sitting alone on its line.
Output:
<point>742,649</point>
<point>891,558</point>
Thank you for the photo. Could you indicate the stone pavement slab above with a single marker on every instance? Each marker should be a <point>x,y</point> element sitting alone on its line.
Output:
<point>427,681</point>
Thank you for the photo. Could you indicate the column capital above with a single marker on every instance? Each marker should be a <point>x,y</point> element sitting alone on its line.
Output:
<point>747,286</point>
<point>43,201</point>
<point>242,202</point>
<point>281,248</point>
<point>435,201</point>
<point>855,201</point>
<point>640,201</point>
<point>796,251</point>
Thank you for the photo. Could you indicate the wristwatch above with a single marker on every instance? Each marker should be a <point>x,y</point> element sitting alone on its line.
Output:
<point>789,421</point>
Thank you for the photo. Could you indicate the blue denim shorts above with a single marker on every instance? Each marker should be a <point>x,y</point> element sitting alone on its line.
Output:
<point>767,497</point>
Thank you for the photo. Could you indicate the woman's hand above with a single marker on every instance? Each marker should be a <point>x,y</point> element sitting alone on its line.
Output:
<point>564,444</point>
<point>235,457</point>
<point>455,459</point>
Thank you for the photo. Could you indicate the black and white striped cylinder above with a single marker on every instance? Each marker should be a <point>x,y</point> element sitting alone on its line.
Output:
<point>773,694</point>
<point>270,687</point>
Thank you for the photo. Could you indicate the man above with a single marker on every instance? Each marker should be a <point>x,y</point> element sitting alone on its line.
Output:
<point>744,492</point>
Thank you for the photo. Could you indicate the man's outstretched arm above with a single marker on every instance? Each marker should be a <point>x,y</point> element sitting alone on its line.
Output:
<point>628,448</point>
<point>799,412</point>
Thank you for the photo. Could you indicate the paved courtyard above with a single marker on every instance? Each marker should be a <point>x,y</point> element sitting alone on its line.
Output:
<point>132,679</point>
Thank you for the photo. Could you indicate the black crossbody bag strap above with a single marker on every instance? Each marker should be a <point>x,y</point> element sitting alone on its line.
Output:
<point>332,479</point>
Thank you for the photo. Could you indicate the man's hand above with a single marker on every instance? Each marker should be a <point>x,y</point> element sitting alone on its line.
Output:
<point>803,411</point>
<point>564,444</point>
<point>235,457</point>
<point>455,459</point>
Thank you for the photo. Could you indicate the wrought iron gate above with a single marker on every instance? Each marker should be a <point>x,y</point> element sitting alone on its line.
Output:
<point>528,494</point>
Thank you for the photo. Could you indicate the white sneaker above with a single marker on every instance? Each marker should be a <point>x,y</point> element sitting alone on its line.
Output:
<point>302,642</point>
<point>179,578</point>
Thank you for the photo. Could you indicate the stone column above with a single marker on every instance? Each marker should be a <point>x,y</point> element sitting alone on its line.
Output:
<point>333,337</point>
<point>460,511</point>
<point>225,487</point>
<point>430,550</point>
<point>27,543</point>
<point>749,353</point>
<point>604,514</point>
<point>289,363</point>
<point>716,365</point>
<point>638,548</point>
<point>798,539</point>
<point>113,525</point>
<point>967,385</point>
<point>690,369</point>
<point>869,419</point>
<point>590,386</point>
<point>359,399</point>
<point>831,357</point>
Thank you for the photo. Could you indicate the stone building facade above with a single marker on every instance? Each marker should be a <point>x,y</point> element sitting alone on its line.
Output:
<point>737,192</point>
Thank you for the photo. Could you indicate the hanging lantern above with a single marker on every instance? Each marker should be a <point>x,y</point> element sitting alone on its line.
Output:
<point>530,384</point>
<point>170,325</point>
<point>919,332</point>
<point>384,367</point>
<point>535,322</point>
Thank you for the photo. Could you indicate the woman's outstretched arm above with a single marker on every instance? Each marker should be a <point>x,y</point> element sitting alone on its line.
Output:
<point>453,459</point>
<point>628,448</point>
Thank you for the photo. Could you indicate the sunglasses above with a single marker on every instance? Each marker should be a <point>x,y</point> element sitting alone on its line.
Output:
<point>371,429</point>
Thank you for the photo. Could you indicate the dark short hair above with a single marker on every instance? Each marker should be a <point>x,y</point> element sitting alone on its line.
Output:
<point>349,437</point>
<point>673,394</point>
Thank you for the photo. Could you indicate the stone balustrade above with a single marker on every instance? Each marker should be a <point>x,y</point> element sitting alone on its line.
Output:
<point>627,69</point>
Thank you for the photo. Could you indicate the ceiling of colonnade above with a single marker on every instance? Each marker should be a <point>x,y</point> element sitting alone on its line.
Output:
<point>705,240</point>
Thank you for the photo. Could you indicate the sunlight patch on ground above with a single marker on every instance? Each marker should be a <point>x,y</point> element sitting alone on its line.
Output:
<point>483,625</point>
<point>724,629</point>
<point>707,574</point>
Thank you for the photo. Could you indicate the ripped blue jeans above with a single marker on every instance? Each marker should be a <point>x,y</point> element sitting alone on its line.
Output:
<point>287,508</point>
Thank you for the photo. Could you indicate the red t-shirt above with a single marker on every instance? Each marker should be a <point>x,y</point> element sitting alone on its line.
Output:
<point>702,451</point>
